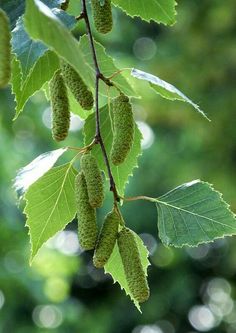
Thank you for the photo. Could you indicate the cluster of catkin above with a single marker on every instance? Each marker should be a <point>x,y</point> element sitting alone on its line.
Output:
<point>89,196</point>
<point>89,188</point>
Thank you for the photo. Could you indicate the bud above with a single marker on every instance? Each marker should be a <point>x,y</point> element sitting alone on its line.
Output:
<point>87,227</point>
<point>5,52</point>
<point>135,275</point>
<point>123,124</point>
<point>77,86</point>
<point>94,181</point>
<point>60,107</point>
<point>107,239</point>
<point>102,15</point>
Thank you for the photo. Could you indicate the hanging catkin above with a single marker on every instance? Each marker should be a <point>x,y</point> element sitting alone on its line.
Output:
<point>60,107</point>
<point>107,239</point>
<point>77,86</point>
<point>134,272</point>
<point>102,15</point>
<point>87,227</point>
<point>5,50</point>
<point>94,181</point>
<point>123,124</point>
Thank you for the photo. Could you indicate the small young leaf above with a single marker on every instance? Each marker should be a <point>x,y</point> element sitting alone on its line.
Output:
<point>165,89</point>
<point>160,11</point>
<point>50,205</point>
<point>193,213</point>
<point>122,172</point>
<point>115,268</point>
<point>29,174</point>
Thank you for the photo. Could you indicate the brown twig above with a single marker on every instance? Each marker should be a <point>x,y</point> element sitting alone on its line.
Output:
<point>99,76</point>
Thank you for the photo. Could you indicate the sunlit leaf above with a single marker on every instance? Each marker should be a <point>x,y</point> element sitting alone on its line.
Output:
<point>50,205</point>
<point>29,174</point>
<point>165,89</point>
<point>115,268</point>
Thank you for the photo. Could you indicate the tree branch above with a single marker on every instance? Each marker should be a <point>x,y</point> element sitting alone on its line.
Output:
<point>99,76</point>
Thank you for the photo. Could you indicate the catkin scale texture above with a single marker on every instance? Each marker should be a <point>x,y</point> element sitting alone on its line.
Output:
<point>5,50</point>
<point>87,227</point>
<point>102,15</point>
<point>77,86</point>
<point>107,239</point>
<point>131,260</point>
<point>94,181</point>
<point>123,124</point>
<point>60,107</point>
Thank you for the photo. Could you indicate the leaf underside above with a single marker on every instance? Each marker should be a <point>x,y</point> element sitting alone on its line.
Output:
<point>165,89</point>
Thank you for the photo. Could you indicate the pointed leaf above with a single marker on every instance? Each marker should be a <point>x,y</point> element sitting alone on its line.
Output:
<point>39,74</point>
<point>165,89</point>
<point>115,268</point>
<point>50,205</point>
<point>160,11</point>
<point>193,213</point>
<point>122,172</point>
<point>29,174</point>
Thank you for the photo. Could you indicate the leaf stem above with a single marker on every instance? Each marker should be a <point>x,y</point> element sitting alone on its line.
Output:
<point>140,197</point>
<point>99,76</point>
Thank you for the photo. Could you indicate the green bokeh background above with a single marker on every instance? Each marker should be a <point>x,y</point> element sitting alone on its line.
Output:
<point>192,290</point>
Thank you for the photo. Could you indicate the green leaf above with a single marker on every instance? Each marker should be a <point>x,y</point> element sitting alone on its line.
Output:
<point>115,268</point>
<point>43,25</point>
<point>122,172</point>
<point>14,9</point>
<point>165,89</point>
<point>50,205</point>
<point>28,51</point>
<point>29,174</point>
<point>193,213</point>
<point>40,73</point>
<point>160,11</point>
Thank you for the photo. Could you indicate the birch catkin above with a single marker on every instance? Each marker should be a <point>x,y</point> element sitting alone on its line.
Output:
<point>77,86</point>
<point>107,239</point>
<point>94,181</point>
<point>131,260</point>
<point>123,123</point>
<point>87,227</point>
<point>60,107</point>
<point>5,50</point>
<point>102,15</point>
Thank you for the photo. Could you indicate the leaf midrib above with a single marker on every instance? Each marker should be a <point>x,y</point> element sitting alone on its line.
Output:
<point>194,214</point>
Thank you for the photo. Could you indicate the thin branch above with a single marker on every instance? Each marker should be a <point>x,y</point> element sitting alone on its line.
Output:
<point>99,76</point>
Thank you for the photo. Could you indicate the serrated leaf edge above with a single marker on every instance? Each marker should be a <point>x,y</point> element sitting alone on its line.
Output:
<point>33,255</point>
<point>227,206</point>
<point>146,20</point>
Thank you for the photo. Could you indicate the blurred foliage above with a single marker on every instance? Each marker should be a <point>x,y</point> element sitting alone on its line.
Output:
<point>192,289</point>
